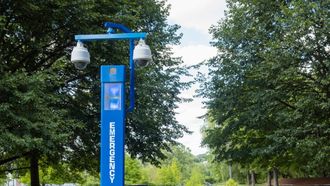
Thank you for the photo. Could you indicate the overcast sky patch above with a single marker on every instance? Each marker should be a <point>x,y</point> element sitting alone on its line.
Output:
<point>195,17</point>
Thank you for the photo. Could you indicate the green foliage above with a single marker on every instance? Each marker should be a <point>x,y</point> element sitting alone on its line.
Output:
<point>183,157</point>
<point>133,173</point>
<point>180,167</point>
<point>90,180</point>
<point>149,174</point>
<point>196,178</point>
<point>2,180</point>
<point>170,172</point>
<point>219,171</point>
<point>58,174</point>
<point>50,108</point>
<point>268,89</point>
<point>231,182</point>
<point>170,175</point>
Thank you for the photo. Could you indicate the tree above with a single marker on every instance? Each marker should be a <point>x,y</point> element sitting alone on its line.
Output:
<point>150,174</point>
<point>182,155</point>
<point>170,175</point>
<point>176,167</point>
<point>268,88</point>
<point>133,171</point>
<point>49,110</point>
<point>56,174</point>
<point>196,178</point>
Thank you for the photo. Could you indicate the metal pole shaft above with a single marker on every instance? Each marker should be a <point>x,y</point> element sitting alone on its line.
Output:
<point>131,78</point>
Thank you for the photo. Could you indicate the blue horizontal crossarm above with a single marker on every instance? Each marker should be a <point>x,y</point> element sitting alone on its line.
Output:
<point>112,35</point>
<point>95,37</point>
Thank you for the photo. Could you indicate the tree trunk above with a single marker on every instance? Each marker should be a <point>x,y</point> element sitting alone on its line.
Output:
<point>275,176</point>
<point>253,179</point>
<point>34,169</point>
<point>230,172</point>
<point>269,178</point>
<point>248,178</point>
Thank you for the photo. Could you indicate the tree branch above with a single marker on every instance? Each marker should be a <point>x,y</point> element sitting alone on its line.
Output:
<point>13,158</point>
<point>286,104</point>
<point>10,170</point>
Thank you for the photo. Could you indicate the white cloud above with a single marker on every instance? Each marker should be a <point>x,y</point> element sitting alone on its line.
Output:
<point>188,116</point>
<point>194,54</point>
<point>197,14</point>
<point>188,113</point>
<point>193,142</point>
<point>195,17</point>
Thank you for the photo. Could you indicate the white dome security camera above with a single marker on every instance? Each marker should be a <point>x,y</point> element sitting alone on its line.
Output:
<point>142,54</point>
<point>80,56</point>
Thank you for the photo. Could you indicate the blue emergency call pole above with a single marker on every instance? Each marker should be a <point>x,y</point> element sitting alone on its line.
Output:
<point>113,97</point>
<point>112,124</point>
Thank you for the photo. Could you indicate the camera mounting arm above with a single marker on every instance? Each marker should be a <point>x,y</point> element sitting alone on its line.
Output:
<point>112,35</point>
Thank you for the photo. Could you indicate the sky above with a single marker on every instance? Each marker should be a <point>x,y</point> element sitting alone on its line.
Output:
<point>195,18</point>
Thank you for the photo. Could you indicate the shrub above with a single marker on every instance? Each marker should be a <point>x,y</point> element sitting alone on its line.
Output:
<point>231,182</point>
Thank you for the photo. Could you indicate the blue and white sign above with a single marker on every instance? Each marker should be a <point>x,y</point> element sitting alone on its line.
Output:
<point>112,96</point>
<point>112,125</point>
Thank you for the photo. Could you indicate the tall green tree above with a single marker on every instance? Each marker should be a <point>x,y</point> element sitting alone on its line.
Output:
<point>50,110</point>
<point>268,87</point>
<point>176,167</point>
<point>196,178</point>
<point>182,155</point>
<point>170,175</point>
<point>133,171</point>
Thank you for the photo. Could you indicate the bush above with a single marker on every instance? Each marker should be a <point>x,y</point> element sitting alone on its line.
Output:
<point>231,182</point>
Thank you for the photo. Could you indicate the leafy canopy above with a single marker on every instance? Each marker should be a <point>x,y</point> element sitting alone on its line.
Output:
<point>268,87</point>
<point>50,108</point>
